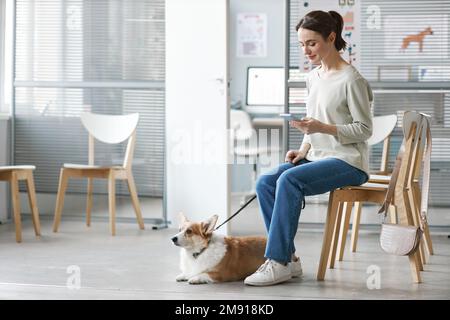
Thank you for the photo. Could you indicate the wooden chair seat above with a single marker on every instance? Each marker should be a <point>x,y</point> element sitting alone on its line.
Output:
<point>368,186</point>
<point>88,166</point>
<point>17,168</point>
<point>13,174</point>
<point>379,178</point>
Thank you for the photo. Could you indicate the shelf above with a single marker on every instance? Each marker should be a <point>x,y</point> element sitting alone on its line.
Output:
<point>410,85</point>
<point>296,84</point>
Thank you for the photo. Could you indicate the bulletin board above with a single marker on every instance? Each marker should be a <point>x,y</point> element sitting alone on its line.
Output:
<point>351,33</point>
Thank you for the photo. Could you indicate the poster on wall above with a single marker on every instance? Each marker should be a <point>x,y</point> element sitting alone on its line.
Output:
<point>251,35</point>
<point>416,36</point>
<point>350,12</point>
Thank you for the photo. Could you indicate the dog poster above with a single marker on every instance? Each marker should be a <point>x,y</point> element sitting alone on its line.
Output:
<point>416,36</point>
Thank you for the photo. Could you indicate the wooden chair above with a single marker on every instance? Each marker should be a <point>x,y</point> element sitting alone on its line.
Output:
<point>14,174</point>
<point>108,129</point>
<point>376,193</point>
<point>383,126</point>
<point>382,129</point>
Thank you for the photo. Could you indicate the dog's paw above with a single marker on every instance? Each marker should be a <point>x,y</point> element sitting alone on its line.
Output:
<point>181,277</point>
<point>200,279</point>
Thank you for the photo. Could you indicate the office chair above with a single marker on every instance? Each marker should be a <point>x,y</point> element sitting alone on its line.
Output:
<point>247,144</point>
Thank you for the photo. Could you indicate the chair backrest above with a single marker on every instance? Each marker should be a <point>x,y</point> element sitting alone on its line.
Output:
<point>241,124</point>
<point>382,128</point>
<point>111,129</point>
<point>425,122</point>
<point>415,126</point>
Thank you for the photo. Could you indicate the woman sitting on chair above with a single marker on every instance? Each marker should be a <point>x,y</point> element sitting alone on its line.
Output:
<point>334,151</point>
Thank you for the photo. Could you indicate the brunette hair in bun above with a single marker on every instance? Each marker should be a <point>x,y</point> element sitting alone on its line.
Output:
<point>325,23</point>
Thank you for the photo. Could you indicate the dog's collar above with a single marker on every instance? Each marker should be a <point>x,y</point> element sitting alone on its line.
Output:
<point>196,254</point>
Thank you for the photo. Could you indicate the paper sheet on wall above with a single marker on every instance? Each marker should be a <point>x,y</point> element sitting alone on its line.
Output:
<point>251,35</point>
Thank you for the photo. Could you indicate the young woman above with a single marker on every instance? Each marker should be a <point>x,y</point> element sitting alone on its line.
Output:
<point>334,150</point>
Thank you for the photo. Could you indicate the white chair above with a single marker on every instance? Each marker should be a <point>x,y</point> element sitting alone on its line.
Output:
<point>382,129</point>
<point>247,144</point>
<point>110,129</point>
<point>14,174</point>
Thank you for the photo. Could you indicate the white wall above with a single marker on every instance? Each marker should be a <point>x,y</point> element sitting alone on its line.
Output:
<point>275,41</point>
<point>4,160</point>
<point>197,109</point>
<point>274,9</point>
<point>4,148</point>
<point>2,50</point>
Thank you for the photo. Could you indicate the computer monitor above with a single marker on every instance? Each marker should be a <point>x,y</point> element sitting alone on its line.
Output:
<point>265,86</point>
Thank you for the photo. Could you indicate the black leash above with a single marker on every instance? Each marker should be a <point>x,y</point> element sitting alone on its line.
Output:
<point>251,199</point>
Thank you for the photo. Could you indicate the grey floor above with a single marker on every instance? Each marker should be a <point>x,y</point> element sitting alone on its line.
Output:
<point>143,264</point>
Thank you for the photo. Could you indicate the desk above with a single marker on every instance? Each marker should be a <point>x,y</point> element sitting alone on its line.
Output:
<point>272,121</point>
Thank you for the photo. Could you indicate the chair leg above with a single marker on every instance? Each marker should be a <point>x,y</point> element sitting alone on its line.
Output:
<point>355,225</point>
<point>63,180</point>
<point>415,268</point>
<point>327,236</point>
<point>112,202</point>
<point>344,228</point>
<point>16,206</point>
<point>135,199</point>
<point>422,254</point>
<point>427,236</point>
<point>337,229</point>
<point>415,219</point>
<point>33,203</point>
<point>89,201</point>
<point>404,206</point>
<point>416,201</point>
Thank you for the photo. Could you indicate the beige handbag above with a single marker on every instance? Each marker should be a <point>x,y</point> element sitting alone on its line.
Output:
<point>400,239</point>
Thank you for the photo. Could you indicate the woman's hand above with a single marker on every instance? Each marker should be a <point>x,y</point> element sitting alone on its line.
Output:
<point>310,125</point>
<point>307,125</point>
<point>294,156</point>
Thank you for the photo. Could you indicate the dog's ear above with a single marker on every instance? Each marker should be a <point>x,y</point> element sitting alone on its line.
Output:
<point>182,219</point>
<point>208,225</point>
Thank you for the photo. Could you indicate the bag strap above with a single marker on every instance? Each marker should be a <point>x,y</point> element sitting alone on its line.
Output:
<point>392,182</point>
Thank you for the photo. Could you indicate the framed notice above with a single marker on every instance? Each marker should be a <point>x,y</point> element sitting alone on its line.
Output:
<point>251,35</point>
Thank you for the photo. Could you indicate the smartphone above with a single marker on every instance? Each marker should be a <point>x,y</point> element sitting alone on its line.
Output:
<point>290,116</point>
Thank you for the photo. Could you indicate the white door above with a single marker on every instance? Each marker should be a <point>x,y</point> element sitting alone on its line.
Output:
<point>197,110</point>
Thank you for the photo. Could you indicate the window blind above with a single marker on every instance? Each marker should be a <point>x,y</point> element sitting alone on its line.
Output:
<point>404,54</point>
<point>2,53</point>
<point>103,56</point>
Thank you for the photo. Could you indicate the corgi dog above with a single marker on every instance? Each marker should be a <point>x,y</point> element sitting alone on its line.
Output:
<point>206,257</point>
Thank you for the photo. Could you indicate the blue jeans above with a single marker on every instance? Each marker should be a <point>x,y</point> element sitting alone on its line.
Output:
<point>281,193</point>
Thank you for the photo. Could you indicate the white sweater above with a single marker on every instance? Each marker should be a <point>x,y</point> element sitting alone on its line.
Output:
<point>343,99</point>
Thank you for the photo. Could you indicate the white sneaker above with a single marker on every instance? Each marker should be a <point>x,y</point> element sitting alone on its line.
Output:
<point>269,273</point>
<point>296,268</point>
